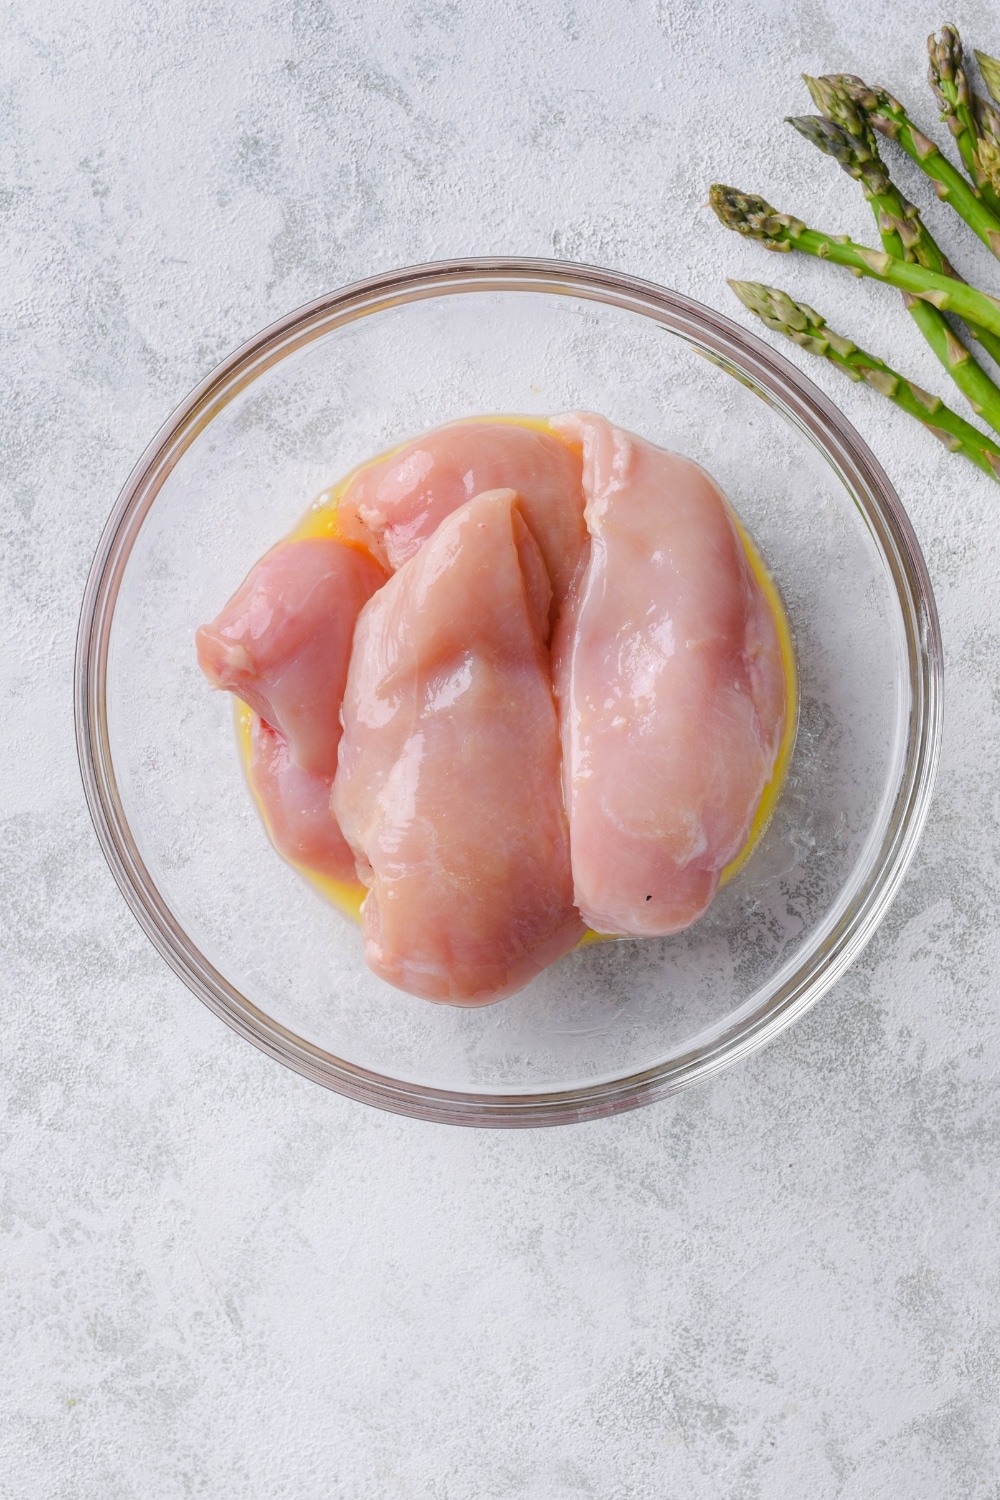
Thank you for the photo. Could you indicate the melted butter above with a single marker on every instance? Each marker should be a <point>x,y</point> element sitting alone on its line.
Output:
<point>772,791</point>
<point>320,520</point>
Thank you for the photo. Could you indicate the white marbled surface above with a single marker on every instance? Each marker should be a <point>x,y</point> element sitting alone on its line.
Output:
<point>215,1278</point>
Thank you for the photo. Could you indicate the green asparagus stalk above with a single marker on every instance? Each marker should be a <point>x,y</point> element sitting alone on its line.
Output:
<point>851,103</point>
<point>805,326</point>
<point>752,216</point>
<point>905,237</point>
<point>990,69</point>
<point>962,110</point>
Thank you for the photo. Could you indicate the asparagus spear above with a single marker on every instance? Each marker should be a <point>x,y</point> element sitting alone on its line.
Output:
<point>990,69</point>
<point>963,111</point>
<point>753,216</point>
<point>805,326</point>
<point>851,103</point>
<point>859,157</point>
<point>905,237</point>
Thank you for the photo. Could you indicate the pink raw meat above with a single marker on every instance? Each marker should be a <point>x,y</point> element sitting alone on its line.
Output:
<point>283,642</point>
<point>402,500</point>
<point>448,786</point>
<point>670,684</point>
<point>297,807</point>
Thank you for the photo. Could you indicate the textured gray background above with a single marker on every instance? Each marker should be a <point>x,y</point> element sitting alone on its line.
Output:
<point>215,1278</point>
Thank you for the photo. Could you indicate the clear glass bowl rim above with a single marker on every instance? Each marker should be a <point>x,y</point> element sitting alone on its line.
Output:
<point>784,387</point>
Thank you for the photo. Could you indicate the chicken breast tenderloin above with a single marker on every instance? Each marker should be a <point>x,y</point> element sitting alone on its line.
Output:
<point>448,785</point>
<point>402,500</point>
<point>670,685</point>
<point>283,642</point>
<point>282,645</point>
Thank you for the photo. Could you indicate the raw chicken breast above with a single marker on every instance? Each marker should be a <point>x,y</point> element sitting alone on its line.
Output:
<point>448,785</point>
<point>296,807</point>
<point>403,499</point>
<point>283,642</point>
<point>670,684</point>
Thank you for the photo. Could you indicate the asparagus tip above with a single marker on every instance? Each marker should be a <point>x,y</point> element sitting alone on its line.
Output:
<point>751,215</point>
<point>946,72</point>
<point>817,129</point>
<point>778,310</point>
<point>858,156</point>
<point>846,100</point>
<point>989,67</point>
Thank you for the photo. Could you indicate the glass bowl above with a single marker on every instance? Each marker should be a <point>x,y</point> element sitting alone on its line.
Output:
<point>615,1024</point>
